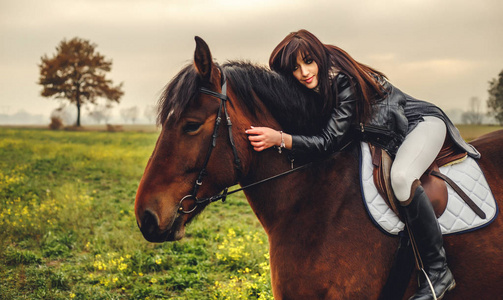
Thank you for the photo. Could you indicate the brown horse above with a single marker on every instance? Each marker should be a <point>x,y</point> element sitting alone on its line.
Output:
<point>322,243</point>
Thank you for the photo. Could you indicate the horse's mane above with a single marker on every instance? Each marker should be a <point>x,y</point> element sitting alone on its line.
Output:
<point>180,92</point>
<point>296,109</point>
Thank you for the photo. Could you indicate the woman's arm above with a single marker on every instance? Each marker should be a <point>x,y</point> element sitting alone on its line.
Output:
<point>334,135</point>
<point>330,139</point>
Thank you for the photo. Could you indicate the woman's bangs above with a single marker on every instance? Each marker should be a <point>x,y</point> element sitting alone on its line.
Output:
<point>292,50</point>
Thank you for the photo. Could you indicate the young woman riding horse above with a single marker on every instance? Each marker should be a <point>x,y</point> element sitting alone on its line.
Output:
<point>360,104</point>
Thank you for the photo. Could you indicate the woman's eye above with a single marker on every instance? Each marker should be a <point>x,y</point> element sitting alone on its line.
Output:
<point>191,127</point>
<point>309,61</point>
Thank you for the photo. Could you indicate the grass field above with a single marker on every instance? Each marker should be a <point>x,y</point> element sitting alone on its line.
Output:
<point>69,232</point>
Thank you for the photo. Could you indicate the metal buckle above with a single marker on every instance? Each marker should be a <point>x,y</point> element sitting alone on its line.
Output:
<point>180,207</point>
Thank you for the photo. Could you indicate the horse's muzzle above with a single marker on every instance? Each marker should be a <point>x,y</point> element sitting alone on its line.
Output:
<point>149,227</point>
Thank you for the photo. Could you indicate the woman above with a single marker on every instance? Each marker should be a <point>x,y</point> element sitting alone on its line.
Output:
<point>363,105</point>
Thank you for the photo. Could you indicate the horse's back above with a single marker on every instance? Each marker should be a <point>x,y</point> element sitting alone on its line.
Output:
<point>490,143</point>
<point>475,258</point>
<point>490,147</point>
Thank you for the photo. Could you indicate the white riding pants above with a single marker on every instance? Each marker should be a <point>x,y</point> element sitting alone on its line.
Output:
<point>420,147</point>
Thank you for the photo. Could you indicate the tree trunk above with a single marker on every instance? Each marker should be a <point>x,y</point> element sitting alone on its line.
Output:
<point>78,111</point>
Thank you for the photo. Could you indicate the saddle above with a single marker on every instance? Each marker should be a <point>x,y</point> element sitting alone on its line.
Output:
<point>433,182</point>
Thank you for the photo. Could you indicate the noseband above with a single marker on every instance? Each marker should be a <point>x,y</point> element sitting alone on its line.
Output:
<point>237,162</point>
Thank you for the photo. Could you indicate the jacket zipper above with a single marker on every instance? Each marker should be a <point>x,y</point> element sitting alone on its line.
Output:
<point>372,128</point>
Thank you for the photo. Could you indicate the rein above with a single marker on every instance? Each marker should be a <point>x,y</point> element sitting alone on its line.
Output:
<point>225,193</point>
<point>237,162</point>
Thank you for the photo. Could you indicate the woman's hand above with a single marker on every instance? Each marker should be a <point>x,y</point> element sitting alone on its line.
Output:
<point>262,138</point>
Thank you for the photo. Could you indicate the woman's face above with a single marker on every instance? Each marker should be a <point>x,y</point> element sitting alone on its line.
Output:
<point>306,71</point>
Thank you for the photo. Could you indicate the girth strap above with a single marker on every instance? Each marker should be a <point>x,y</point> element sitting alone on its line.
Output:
<point>461,193</point>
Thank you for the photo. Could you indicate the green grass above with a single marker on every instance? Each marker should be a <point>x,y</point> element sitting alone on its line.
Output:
<point>470,132</point>
<point>69,231</point>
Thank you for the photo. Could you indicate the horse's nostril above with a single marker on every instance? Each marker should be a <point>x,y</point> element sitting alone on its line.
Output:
<point>149,223</point>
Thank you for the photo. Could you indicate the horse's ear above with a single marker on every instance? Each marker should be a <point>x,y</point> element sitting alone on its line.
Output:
<point>202,59</point>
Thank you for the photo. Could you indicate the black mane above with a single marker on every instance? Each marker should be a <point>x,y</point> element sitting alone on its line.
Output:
<point>181,91</point>
<point>296,109</point>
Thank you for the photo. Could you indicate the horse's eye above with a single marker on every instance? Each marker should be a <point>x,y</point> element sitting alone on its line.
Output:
<point>191,127</point>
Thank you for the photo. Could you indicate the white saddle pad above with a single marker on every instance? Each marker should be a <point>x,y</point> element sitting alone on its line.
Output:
<point>458,216</point>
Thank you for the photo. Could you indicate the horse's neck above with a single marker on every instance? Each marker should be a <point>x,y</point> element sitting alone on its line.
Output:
<point>328,192</point>
<point>266,199</point>
<point>316,223</point>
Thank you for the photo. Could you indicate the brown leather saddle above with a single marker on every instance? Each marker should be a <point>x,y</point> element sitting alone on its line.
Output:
<point>433,182</point>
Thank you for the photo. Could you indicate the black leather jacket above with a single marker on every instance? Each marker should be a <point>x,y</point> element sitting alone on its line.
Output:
<point>387,127</point>
<point>393,117</point>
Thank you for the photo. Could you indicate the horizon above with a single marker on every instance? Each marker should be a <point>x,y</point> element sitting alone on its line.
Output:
<point>444,53</point>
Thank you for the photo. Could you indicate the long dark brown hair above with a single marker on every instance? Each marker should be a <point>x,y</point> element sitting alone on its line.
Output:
<point>363,78</point>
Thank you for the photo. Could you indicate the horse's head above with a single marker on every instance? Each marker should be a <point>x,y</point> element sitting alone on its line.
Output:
<point>193,149</point>
<point>186,147</point>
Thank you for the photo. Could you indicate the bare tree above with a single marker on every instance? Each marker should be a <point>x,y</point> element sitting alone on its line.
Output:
<point>473,115</point>
<point>150,113</point>
<point>101,112</point>
<point>130,114</point>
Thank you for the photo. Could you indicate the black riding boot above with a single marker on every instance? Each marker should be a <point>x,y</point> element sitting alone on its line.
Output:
<point>426,231</point>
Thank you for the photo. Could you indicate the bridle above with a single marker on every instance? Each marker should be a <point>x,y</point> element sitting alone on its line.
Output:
<point>237,162</point>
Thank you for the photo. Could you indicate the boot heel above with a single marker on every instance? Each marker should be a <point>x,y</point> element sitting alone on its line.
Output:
<point>449,288</point>
<point>452,286</point>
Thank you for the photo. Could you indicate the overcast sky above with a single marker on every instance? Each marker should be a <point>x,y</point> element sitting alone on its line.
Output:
<point>444,51</point>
